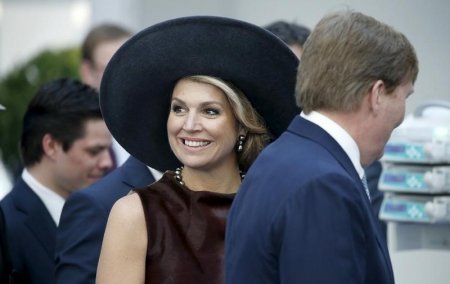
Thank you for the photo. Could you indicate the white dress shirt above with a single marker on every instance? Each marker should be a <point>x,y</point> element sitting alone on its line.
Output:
<point>156,174</point>
<point>52,201</point>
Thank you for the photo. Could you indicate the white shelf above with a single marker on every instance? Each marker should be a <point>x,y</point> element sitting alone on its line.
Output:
<point>420,253</point>
<point>421,266</point>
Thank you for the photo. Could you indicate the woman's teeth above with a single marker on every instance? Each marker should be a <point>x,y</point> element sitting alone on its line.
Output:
<point>195,143</point>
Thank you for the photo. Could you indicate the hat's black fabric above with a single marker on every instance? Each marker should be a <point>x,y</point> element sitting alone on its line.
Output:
<point>138,81</point>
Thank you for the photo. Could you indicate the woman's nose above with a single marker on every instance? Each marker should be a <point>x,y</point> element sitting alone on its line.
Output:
<point>192,122</point>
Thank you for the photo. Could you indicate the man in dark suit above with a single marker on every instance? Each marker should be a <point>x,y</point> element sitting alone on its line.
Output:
<point>64,146</point>
<point>77,251</point>
<point>303,212</point>
<point>295,36</point>
<point>84,217</point>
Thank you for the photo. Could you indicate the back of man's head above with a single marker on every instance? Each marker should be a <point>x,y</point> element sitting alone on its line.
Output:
<point>60,108</point>
<point>99,34</point>
<point>98,47</point>
<point>345,53</point>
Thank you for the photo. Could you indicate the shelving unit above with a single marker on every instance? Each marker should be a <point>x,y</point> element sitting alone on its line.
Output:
<point>416,182</point>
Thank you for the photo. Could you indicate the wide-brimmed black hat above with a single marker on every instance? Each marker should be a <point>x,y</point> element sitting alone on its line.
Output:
<point>138,82</point>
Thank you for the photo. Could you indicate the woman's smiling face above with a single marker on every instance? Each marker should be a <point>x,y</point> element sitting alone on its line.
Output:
<point>201,127</point>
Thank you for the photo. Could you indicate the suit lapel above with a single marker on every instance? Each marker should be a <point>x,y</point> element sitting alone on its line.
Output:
<point>38,219</point>
<point>44,230</point>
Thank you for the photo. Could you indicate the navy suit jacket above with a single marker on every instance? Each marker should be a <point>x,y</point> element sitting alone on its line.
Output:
<point>31,235</point>
<point>302,216</point>
<point>83,221</point>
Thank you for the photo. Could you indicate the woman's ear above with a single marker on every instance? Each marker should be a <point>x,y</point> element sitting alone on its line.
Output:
<point>242,130</point>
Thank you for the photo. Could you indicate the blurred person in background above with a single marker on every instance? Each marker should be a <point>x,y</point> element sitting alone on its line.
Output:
<point>97,48</point>
<point>77,251</point>
<point>64,147</point>
<point>292,34</point>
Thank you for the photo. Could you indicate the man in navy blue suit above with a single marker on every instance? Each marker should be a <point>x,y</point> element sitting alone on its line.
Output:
<point>84,217</point>
<point>303,212</point>
<point>295,36</point>
<point>64,147</point>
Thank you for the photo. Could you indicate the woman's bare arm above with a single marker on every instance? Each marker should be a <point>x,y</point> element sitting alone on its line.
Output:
<point>122,258</point>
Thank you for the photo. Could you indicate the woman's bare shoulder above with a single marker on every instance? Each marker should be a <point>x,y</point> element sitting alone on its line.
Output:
<point>128,209</point>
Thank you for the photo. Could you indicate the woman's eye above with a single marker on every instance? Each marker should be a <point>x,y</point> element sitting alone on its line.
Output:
<point>177,109</point>
<point>212,112</point>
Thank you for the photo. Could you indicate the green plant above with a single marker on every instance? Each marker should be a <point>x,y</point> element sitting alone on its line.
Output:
<point>16,90</point>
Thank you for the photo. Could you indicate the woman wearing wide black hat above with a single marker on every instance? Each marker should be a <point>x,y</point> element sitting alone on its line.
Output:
<point>196,98</point>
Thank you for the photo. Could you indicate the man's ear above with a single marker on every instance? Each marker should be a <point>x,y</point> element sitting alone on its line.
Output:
<point>375,95</point>
<point>50,146</point>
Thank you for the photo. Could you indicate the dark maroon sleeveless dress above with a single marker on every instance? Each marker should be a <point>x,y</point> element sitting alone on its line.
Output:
<point>186,233</point>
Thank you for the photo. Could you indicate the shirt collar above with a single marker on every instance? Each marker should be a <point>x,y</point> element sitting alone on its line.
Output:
<point>340,135</point>
<point>52,201</point>
<point>156,174</point>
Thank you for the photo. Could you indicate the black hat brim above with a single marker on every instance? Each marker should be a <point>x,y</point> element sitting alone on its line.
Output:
<point>138,81</point>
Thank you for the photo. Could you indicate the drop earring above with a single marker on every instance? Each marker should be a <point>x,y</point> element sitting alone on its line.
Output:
<point>240,145</point>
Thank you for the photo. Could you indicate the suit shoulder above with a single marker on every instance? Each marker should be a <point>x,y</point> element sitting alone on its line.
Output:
<point>8,202</point>
<point>104,192</point>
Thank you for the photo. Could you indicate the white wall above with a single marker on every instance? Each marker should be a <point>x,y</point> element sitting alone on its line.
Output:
<point>164,10</point>
<point>126,13</point>
<point>27,27</point>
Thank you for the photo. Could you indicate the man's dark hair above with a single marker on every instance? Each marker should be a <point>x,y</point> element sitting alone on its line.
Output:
<point>289,33</point>
<point>60,108</point>
<point>100,34</point>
